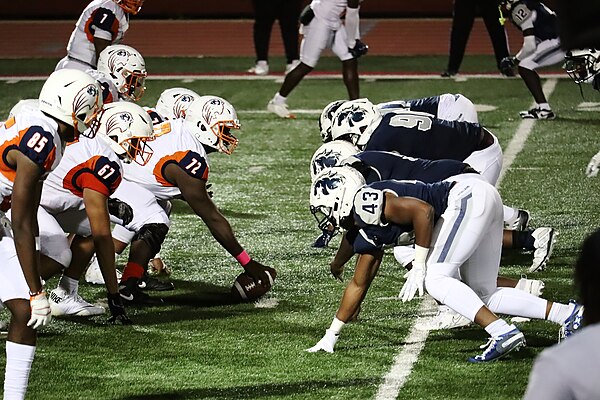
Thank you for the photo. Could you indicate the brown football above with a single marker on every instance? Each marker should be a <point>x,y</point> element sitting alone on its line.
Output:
<point>244,288</point>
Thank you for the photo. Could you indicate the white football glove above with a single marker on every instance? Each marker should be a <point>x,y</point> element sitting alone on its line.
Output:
<point>415,282</point>
<point>593,166</point>
<point>40,311</point>
<point>326,343</point>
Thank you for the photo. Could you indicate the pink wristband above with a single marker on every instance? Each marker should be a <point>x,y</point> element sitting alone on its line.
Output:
<point>243,258</point>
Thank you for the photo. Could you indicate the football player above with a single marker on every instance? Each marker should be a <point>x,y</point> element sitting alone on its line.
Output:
<point>541,48</point>
<point>32,143</point>
<point>102,23</point>
<point>179,169</point>
<point>75,199</point>
<point>322,28</point>
<point>419,134</point>
<point>458,229</point>
<point>121,73</point>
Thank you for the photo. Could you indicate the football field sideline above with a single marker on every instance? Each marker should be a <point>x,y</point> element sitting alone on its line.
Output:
<point>408,354</point>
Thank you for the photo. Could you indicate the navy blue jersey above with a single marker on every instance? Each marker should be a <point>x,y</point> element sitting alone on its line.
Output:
<point>424,136</point>
<point>427,105</point>
<point>383,165</point>
<point>368,205</point>
<point>545,26</point>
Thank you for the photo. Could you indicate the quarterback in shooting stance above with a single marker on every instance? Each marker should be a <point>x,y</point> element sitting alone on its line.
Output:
<point>583,66</point>
<point>322,27</point>
<point>179,169</point>
<point>32,143</point>
<point>541,48</point>
<point>102,23</point>
<point>457,225</point>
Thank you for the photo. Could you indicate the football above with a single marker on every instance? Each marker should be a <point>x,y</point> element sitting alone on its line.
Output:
<point>244,288</point>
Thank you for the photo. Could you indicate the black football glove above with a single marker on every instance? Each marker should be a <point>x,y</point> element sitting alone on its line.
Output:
<point>359,49</point>
<point>121,210</point>
<point>507,66</point>
<point>117,311</point>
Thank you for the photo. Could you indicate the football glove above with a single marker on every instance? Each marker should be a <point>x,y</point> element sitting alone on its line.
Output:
<point>507,66</point>
<point>40,311</point>
<point>117,310</point>
<point>121,210</point>
<point>326,343</point>
<point>593,166</point>
<point>261,274</point>
<point>415,282</point>
<point>359,49</point>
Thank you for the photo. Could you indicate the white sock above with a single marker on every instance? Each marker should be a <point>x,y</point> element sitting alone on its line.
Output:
<point>279,99</point>
<point>69,284</point>
<point>498,328</point>
<point>336,325</point>
<point>560,312</point>
<point>544,106</point>
<point>18,365</point>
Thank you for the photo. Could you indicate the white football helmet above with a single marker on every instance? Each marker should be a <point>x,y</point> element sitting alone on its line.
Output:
<point>126,68</point>
<point>332,196</point>
<point>173,102</point>
<point>355,121</point>
<point>582,64</point>
<point>325,119</point>
<point>210,119</point>
<point>126,128</point>
<point>130,6</point>
<point>24,104</point>
<point>73,97</point>
<point>329,155</point>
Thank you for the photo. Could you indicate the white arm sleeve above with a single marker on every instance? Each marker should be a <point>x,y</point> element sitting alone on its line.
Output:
<point>352,26</point>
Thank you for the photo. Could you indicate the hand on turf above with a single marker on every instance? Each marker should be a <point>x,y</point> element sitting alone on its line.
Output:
<point>593,166</point>
<point>117,310</point>
<point>40,311</point>
<point>415,282</point>
<point>326,343</point>
<point>261,274</point>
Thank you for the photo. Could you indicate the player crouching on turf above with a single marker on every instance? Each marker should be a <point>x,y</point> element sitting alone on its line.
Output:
<point>32,142</point>
<point>179,170</point>
<point>583,66</point>
<point>458,231</point>
<point>75,199</point>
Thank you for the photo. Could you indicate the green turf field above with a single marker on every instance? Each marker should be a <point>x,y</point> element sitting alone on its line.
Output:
<point>201,346</point>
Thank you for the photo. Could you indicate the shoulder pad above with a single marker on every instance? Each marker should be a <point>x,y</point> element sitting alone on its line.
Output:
<point>520,13</point>
<point>368,206</point>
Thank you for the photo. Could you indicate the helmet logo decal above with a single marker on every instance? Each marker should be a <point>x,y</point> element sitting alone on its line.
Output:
<point>212,109</point>
<point>327,184</point>
<point>327,159</point>
<point>119,123</point>
<point>85,100</point>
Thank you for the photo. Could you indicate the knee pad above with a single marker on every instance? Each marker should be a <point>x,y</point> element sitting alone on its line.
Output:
<point>153,235</point>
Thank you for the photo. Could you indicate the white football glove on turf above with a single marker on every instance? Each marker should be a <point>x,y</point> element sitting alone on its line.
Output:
<point>593,166</point>
<point>40,311</point>
<point>326,343</point>
<point>415,282</point>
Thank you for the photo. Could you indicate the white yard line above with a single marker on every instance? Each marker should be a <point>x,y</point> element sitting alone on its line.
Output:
<point>415,341</point>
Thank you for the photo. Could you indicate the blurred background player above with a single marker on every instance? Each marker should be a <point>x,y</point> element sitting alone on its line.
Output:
<point>102,23</point>
<point>265,14</point>
<point>322,28</point>
<point>32,143</point>
<point>541,48</point>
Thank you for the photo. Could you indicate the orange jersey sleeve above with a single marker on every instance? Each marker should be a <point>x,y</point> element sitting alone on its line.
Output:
<point>98,173</point>
<point>191,162</point>
<point>34,142</point>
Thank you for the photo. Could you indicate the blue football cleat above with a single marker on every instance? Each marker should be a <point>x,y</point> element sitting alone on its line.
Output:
<point>500,346</point>
<point>323,240</point>
<point>573,323</point>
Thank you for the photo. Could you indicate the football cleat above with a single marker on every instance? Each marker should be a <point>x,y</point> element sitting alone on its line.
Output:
<point>150,283</point>
<point>93,274</point>
<point>280,109</point>
<point>323,240</point>
<point>498,347</point>
<point>448,74</point>
<point>520,223</point>
<point>131,294</point>
<point>63,303</point>
<point>445,318</point>
<point>261,68</point>
<point>544,243</point>
<point>537,113</point>
<point>573,323</point>
<point>532,286</point>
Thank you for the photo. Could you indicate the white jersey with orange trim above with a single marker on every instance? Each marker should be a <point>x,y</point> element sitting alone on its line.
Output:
<point>103,19</point>
<point>36,136</point>
<point>330,11</point>
<point>86,164</point>
<point>173,144</point>
<point>110,93</point>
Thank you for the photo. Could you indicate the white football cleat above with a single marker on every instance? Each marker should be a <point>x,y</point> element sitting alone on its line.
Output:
<point>532,286</point>
<point>537,113</point>
<point>63,303</point>
<point>93,274</point>
<point>544,243</point>
<point>446,318</point>
<point>261,68</point>
<point>280,109</point>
